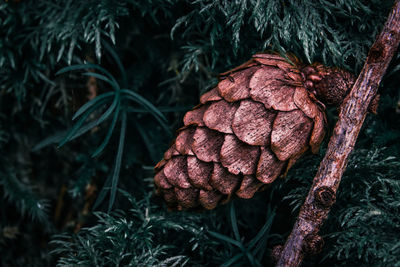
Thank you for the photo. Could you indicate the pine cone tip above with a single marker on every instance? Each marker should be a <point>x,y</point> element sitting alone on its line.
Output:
<point>329,84</point>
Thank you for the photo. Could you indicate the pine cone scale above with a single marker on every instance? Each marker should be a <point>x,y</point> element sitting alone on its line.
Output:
<point>238,157</point>
<point>219,116</point>
<point>176,172</point>
<point>161,181</point>
<point>183,142</point>
<point>269,167</point>
<point>290,133</point>
<point>252,123</point>
<point>195,116</point>
<point>199,173</point>
<point>318,133</point>
<point>171,152</point>
<point>262,78</point>
<point>248,187</point>
<point>187,197</point>
<point>169,196</point>
<point>207,144</point>
<point>224,181</point>
<point>212,95</point>
<point>276,95</point>
<point>303,101</point>
<point>209,199</point>
<point>236,86</point>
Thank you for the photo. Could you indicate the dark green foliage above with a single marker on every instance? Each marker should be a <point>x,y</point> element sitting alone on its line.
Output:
<point>128,70</point>
<point>117,107</point>
<point>35,39</point>
<point>370,228</point>
<point>139,236</point>
<point>252,252</point>
<point>145,234</point>
<point>22,196</point>
<point>333,32</point>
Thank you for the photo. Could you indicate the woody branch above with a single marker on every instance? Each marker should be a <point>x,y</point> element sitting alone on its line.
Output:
<point>304,237</point>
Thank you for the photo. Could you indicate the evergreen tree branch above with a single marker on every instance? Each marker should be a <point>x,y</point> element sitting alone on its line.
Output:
<point>304,237</point>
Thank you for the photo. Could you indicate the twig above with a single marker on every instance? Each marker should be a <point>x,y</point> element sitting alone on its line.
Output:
<point>304,237</point>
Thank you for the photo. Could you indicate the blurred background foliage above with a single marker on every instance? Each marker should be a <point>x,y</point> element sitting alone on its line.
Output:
<point>78,147</point>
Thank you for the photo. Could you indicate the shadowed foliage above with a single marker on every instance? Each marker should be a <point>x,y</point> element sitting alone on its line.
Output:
<point>72,143</point>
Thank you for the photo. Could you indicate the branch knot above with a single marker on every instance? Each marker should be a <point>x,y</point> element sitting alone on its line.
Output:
<point>324,197</point>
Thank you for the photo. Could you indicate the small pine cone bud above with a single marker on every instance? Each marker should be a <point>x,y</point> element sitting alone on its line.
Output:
<point>329,85</point>
<point>247,131</point>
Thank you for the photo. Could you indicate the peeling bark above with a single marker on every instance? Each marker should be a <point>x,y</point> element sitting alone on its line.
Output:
<point>304,237</point>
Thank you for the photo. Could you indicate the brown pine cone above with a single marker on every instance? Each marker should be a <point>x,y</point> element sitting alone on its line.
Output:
<point>248,130</point>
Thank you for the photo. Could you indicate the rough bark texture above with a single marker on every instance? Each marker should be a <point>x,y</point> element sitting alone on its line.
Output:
<point>304,238</point>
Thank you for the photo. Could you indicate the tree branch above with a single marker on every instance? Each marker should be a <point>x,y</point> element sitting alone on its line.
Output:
<point>304,237</point>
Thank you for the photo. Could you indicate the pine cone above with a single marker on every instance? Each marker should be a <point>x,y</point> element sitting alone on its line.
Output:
<point>248,130</point>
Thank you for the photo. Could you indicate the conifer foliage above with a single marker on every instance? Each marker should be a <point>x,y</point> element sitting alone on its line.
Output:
<point>91,92</point>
